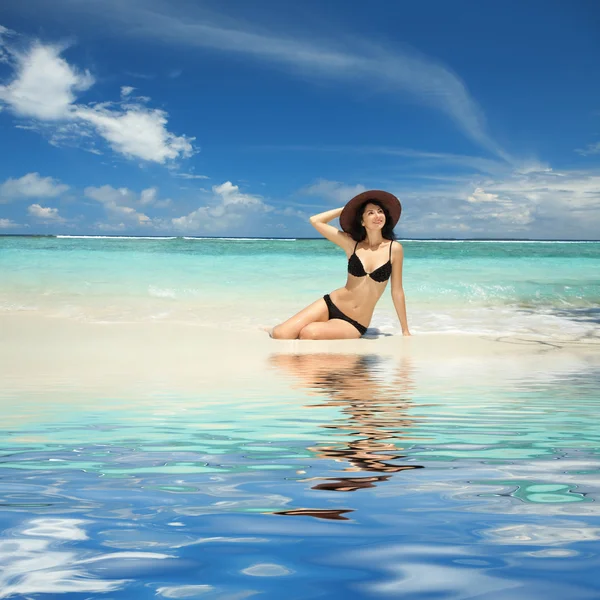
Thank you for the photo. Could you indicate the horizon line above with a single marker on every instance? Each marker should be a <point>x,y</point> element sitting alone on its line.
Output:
<point>233,237</point>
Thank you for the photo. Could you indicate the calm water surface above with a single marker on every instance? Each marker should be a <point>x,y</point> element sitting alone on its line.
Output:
<point>336,476</point>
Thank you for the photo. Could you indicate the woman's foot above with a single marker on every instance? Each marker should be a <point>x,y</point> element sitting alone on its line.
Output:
<point>268,329</point>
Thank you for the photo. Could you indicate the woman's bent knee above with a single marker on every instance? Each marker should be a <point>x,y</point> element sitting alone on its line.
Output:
<point>308,333</point>
<point>279,333</point>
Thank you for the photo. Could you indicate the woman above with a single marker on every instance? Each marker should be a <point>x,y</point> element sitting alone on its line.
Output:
<point>367,221</point>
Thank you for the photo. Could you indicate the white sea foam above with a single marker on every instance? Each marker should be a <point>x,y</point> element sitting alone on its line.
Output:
<point>427,241</point>
<point>116,237</point>
<point>233,239</point>
<point>506,321</point>
<point>161,292</point>
<point>11,306</point>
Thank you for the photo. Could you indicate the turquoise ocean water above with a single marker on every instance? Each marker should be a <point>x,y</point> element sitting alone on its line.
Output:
<point>548,289</point>
<point>327,476</point>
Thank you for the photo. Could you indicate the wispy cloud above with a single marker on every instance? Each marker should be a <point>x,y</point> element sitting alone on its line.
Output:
<point>589,149</point>
<point>188,175</point>
<point>334,191</point>
<point>4,33</point>
<point>346,60</point>
<point>147,76</point>
<point>474,163</point>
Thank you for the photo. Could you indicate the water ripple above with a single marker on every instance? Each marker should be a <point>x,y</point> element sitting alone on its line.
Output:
<point>345,476</point>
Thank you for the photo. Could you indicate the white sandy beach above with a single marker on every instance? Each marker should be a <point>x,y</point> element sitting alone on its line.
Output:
<point>35,351</point>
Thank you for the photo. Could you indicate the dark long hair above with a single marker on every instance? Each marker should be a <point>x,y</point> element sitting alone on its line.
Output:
<point>359,233</point>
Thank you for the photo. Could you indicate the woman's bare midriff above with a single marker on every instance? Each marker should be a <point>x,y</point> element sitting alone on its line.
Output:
<point>358,298</point>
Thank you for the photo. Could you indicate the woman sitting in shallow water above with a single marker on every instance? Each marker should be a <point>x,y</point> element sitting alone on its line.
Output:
<point>368,222</point>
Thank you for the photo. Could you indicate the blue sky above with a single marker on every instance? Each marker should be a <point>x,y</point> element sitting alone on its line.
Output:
<point>147,117</point>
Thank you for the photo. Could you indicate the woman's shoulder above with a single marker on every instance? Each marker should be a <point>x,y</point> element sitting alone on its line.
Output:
<point>396,248</point>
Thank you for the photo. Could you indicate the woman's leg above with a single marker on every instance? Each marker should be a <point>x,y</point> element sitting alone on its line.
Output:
<point>290,329</point>
<point>334,329</point>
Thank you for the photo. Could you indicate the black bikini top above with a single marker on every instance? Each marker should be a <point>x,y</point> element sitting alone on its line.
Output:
<point>380,274</point>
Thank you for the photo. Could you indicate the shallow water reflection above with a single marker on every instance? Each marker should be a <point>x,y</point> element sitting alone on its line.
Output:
<point>469,479</point>
<point>373,413</point>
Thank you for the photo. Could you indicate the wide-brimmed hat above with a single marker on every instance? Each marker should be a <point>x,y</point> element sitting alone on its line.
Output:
<point>391,203</point>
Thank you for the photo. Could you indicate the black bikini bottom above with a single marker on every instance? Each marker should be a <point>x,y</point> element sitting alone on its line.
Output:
<point>336,313</point>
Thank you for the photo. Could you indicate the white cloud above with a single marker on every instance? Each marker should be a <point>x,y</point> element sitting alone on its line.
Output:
<point>31,185</point>
<point>8,224</point>
<point>149,197</point>
<point>109,195</point>
<point>479,195</point>
<point>137,132</point>
<point>228,208</point>
<point>44,88</point>
<point>44,85</point>
<point>46,214</point>
<point>120,203</point>
<point>230,194</point>
<point>504,209</point>
<point>334,190</point>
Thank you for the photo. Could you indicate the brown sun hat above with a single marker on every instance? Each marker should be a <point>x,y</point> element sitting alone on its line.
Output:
<point>391,203</point>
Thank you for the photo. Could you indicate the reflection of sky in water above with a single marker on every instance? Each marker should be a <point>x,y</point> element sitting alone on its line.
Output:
<point>402,478</point>
<point>41,563</point>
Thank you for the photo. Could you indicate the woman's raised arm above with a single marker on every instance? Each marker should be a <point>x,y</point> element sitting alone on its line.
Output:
<point>321,223</point>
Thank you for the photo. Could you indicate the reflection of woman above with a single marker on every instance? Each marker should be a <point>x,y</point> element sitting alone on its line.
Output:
<point>375,413</point>
<point>368,221</point>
